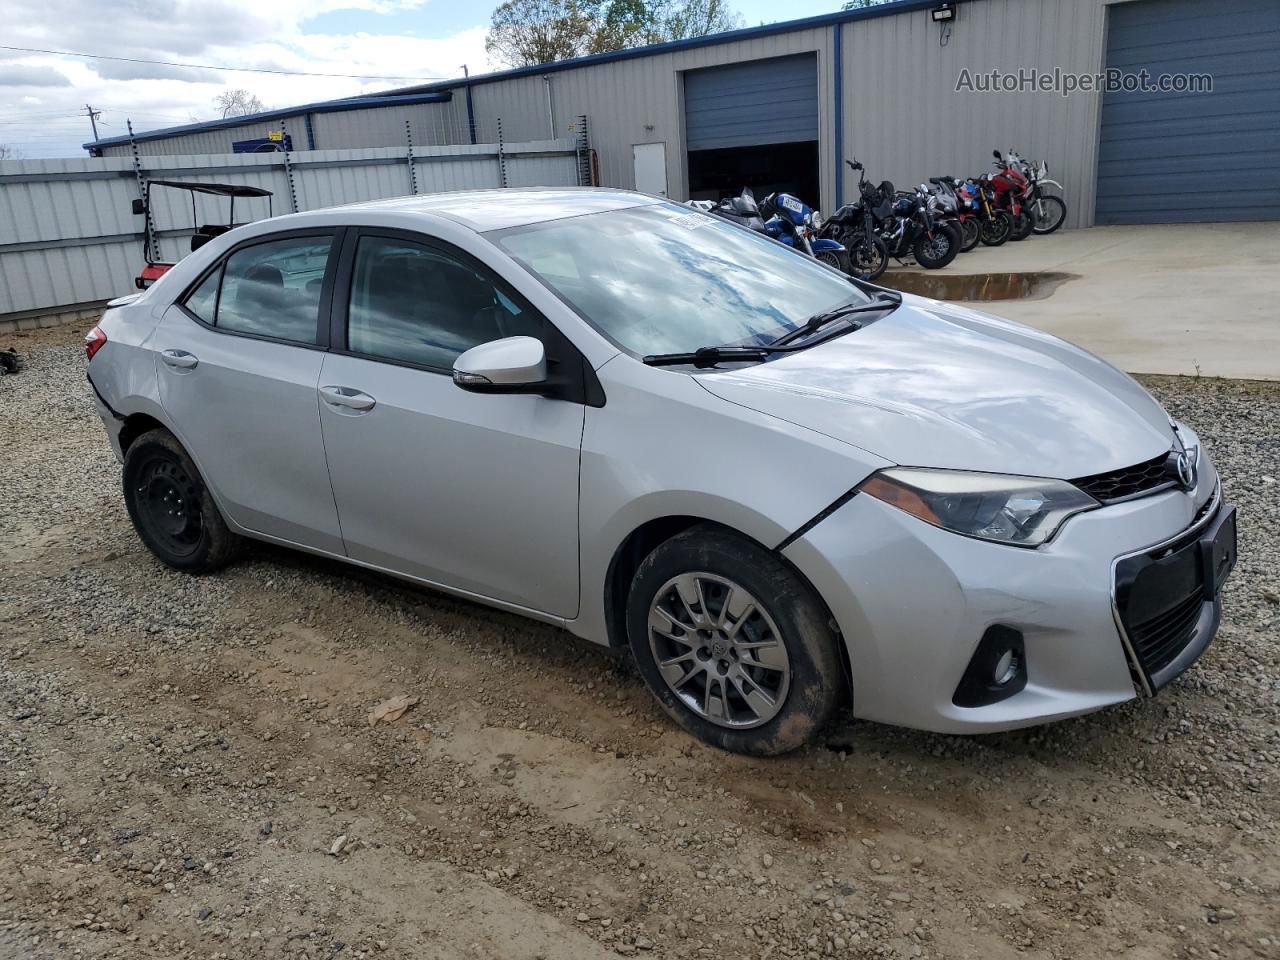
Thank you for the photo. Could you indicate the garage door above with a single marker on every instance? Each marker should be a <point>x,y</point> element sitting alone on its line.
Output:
<point>1186,157</point>
<point>763,101</point>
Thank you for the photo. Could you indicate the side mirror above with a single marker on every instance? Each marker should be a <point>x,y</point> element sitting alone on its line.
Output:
<point>510,365</point>
<point>996,154</point>
<point>139,206</point>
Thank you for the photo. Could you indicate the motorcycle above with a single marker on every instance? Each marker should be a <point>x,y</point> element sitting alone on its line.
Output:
<point>1011,191</point>
<point>994,225</point>
<point>786,219</point>
<point>1047,212</point>
<point>854,226</point>
<point>963,209</point>
<point>908,228</point>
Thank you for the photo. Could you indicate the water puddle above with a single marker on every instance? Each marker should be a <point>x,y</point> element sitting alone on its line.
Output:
<point>977,287</point>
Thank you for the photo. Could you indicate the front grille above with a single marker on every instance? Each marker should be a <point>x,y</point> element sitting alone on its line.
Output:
<point>1158,641</point>
<point>1145,477</point>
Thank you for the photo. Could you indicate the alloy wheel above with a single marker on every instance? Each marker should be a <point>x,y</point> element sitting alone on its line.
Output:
<point>718,650</point>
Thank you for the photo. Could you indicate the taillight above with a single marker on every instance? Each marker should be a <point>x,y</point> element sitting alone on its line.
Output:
<point>94,341</point>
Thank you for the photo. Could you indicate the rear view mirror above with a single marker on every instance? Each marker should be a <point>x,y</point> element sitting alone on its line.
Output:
<point>139,206</point>
<point>996,154</point>
<point>510,365</point>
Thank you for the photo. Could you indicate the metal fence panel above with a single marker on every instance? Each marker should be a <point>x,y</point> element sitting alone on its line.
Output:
<point>68,236</point>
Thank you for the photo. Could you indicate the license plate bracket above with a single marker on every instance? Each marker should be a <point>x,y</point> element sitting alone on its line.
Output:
<point>1218,552</point>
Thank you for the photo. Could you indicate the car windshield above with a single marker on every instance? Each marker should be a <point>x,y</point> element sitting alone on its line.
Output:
<point>662,279</point>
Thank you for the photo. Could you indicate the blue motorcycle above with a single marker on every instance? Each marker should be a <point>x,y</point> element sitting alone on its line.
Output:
<point>787,220</point>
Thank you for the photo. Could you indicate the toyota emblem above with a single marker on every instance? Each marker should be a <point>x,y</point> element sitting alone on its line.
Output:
<point>1186,470</point>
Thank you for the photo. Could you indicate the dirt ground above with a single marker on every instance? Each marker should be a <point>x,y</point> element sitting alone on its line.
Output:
<point>187,768</point>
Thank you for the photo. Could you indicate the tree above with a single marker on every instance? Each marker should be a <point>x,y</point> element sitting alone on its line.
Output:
<point>9,153</point>
<point>237,103</point>
<point>528,32</point>
<point>861,4</point>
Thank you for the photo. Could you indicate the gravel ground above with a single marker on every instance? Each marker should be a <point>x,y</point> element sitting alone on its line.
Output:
<point>186,767</point>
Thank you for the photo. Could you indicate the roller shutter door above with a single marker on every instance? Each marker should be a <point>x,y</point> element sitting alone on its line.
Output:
<point>746,104</point>
<point>1188,157</point>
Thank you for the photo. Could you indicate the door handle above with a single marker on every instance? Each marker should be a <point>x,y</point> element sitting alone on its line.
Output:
<point>179,359</point>
<point>347,397</point>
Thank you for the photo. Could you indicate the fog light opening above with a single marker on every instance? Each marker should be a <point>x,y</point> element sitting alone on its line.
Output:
<point>997,669</point>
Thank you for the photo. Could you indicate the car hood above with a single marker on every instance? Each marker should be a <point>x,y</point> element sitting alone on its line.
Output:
<point>937,385</point>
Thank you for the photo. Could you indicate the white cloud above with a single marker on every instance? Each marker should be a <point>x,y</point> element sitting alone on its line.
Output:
<point>265,34</point>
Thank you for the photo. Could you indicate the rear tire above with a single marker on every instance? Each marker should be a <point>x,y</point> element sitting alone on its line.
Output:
<point>970,234</point>
<point>735,647</point>
<point>836,259</point>
<point>171,508</point>
<point>1021,227</point>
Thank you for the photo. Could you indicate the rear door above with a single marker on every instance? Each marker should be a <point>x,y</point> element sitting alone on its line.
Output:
<point>474,492</point>
<point>239,358</point>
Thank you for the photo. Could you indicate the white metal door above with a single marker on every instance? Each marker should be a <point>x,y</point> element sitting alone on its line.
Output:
<point>651,167</point>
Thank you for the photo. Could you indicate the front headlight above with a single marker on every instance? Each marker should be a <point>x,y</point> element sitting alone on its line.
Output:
<point>1020,511</point>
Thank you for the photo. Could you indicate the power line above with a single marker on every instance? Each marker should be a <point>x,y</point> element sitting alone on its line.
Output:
<point>207,66</point>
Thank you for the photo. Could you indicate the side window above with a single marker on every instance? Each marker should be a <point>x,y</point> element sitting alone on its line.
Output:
<point>273,289</point>
<point>414,303</point>
<point>204,299</point>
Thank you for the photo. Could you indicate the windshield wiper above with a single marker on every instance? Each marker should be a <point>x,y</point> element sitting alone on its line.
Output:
<point>885,300</point>
<point>705,357</point>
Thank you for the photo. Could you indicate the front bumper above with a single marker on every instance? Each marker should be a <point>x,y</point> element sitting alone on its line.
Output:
<point>912,602</point>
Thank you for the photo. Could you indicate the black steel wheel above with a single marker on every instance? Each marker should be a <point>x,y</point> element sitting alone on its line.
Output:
<point>171,508</point>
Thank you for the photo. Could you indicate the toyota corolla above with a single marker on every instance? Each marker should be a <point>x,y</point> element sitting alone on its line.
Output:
<point>782,489</point>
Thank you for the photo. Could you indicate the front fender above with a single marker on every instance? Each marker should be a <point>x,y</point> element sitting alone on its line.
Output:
<point>664,446</point>
<point>826,245</point>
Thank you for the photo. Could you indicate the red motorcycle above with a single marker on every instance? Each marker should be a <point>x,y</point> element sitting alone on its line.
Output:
<point>1012,192</point>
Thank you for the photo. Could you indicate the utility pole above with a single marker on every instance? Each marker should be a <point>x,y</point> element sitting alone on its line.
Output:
<point>93,119</point>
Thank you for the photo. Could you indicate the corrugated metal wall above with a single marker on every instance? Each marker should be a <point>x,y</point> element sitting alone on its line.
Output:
<point>68,235</point>
<point>902,113</point>
<point>906,121</point>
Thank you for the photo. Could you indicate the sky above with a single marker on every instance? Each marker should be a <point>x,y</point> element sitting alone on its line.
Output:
<point>379,44</point>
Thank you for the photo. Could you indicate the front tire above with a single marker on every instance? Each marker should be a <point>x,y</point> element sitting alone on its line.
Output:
<point>734,646</point>
<point>937,250</point>
<point>996,229</point>
<point>970,234</point>
<point>171,508</point>
<point>1022,227</point>
<point>1047,214</point>
<point>868,259</point>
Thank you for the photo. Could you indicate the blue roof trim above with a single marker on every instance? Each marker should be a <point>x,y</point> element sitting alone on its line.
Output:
<point>325,106</point>
<point>693,43</point>
<point>442,90</point>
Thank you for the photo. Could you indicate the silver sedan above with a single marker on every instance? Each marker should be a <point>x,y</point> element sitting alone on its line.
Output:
<point>782,489</point>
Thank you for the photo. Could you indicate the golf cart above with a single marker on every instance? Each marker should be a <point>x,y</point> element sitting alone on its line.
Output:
<point>201,233</point>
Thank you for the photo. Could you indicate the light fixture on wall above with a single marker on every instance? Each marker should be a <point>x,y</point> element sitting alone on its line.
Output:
<point>944,16</point>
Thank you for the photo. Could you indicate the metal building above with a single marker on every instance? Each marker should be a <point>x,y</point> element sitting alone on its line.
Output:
<point>898,86</point>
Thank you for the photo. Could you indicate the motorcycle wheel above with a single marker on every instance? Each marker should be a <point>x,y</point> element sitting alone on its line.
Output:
<point>1047,214</point>
<point>1022,227</point>
<point>868,260</point>
<point>970,234</point>
<point>936,251</point>
<point>836,259</point>
<point>996,230</point>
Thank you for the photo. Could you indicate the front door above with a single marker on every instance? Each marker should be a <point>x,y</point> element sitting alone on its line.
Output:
<point>238,361</point>
<point>474,492</point>
<point>650,161</point>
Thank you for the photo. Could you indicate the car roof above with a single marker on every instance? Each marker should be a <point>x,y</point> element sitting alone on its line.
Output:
<point>484,210</point>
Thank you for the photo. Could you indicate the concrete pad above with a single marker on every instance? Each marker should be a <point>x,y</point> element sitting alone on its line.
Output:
<point>1192,299</point>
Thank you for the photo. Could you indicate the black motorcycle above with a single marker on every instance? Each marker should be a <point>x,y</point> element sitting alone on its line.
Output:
<point>854,225</point>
